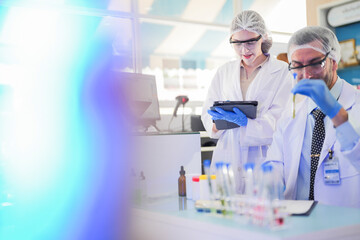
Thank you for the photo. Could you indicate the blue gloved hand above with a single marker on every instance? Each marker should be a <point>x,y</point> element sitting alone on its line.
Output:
<point>237,116</point>
<point>215,115</point>
<point>318,91</point>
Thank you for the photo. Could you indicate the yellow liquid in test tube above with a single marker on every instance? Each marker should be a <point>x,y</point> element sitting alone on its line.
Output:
<point>293,105</point>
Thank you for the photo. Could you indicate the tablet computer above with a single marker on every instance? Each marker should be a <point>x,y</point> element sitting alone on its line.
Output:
<point>247,107</point>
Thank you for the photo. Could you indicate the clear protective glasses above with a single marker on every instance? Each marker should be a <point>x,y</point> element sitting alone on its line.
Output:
<point>313,68</point>
<point>248,44</point>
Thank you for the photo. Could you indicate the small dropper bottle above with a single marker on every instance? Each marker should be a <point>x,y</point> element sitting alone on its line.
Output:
<point>182,182</point>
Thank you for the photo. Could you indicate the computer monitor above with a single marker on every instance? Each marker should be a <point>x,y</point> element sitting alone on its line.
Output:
<point>144,103</point>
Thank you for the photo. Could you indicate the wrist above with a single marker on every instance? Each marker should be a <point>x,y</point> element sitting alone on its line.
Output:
<point>214,129</point>
<point>335,109</point>
<point>340,117</point>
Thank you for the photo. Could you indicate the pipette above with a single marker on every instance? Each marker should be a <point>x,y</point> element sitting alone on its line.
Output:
<point>294,75</point>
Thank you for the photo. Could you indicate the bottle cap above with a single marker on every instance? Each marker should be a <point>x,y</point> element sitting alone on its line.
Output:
<point>249,165</point>
<point>213,177</point>
<point>295,75</point>
<point>203,177</point>
<point>182,171</point>
<point>195,179</point>
<point>219,164</point>
<point>207,162</point>
<point>266,168</point>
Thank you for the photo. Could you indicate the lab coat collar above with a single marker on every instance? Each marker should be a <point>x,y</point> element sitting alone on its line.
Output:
<point>263,80</point>
<point>268,67</point>
<point>341,91</point>
<point>271,63</point>
<point>347,96</point>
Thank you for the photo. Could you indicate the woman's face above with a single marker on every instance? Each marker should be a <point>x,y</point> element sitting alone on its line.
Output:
<point>249,50</point>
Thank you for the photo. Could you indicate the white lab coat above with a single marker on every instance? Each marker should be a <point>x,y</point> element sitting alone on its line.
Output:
<point>271,88</point>
<point>287,145</point>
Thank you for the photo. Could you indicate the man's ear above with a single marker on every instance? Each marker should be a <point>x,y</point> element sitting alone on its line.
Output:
<point>335,65</point>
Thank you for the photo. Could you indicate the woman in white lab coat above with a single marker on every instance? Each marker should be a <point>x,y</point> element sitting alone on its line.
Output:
<point>255,76</point>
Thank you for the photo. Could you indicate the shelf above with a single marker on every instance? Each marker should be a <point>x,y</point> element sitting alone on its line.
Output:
<point>208,149</point>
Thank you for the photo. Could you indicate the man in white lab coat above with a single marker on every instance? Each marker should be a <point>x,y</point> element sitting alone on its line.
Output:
<point>255,76</point>
<point>331,175</point>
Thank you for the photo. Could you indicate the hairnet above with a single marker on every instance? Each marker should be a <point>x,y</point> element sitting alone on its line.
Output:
<point>252,21</point>
<point>320,39</point>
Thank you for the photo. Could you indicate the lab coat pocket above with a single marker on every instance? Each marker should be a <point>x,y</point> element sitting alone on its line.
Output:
<point>346,168</point>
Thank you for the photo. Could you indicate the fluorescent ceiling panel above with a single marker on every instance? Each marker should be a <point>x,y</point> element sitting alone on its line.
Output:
<point>145,6</point>
<point>183,37</point>
<point>282,15</point>
<point>203,10</point>
<point>180,40</point>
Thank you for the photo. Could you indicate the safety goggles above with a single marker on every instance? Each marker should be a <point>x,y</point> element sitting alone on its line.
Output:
<point>314,68</point>
<point>249,44</point>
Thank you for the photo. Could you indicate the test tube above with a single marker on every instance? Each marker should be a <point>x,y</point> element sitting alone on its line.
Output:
<point>221,186</point>
<point>229,188</point>
<point>207,173</point>
<point>294,75</point>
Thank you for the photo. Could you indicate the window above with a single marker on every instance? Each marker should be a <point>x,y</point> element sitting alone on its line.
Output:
<point>181,42</point>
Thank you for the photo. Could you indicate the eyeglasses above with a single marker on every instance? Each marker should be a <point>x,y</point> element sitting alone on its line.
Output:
<point>314,68</point>
<point>249,44</point>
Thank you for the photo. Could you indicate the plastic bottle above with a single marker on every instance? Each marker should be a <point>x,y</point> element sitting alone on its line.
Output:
<point>204,188</point>
<point>189,185</point>
<point>182,183</point>
<point>195,188</point>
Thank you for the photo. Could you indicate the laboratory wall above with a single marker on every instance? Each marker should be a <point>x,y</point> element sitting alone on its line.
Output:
<point>346,29</point>
<point>312,9</point>
<point>350,73</point>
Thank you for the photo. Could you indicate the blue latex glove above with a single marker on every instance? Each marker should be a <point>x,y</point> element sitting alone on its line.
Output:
<point>318,91</point>
<point>237,116</point>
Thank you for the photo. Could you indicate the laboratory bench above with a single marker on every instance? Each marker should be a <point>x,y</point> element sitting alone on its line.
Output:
<point>176,218</point>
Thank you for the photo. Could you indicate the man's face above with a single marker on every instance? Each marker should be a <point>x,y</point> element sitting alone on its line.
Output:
<point>311,64</point>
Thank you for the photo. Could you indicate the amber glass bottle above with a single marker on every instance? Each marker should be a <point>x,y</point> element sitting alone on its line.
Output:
<point>182,182</point>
